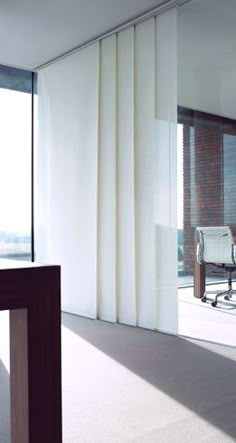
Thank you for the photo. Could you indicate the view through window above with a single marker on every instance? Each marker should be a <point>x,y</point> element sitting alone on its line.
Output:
<point>15,163</point>
<point>206,183</point>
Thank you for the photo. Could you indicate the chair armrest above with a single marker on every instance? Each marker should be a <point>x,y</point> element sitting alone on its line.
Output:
<point>199,254</point>
<point>234,253</point>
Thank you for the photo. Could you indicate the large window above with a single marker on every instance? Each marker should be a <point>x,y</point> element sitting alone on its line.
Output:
<point>16,163</point>
<point>207,146</point>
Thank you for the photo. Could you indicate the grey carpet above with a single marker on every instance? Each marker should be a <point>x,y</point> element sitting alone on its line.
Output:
<point>123,384</point>
<point>187,390</point>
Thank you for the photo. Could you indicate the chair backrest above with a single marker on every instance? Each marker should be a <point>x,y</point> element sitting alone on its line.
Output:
<point>216,245</point>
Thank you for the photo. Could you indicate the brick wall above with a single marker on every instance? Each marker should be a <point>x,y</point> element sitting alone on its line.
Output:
<point>209,176</point>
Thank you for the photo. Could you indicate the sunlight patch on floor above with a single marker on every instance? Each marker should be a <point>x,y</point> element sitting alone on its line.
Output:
<point>202,321</point>
<point>97,390</point>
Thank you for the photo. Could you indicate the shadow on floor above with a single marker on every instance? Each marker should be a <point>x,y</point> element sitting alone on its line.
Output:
<point>4,405</point>
<point>201,380</point>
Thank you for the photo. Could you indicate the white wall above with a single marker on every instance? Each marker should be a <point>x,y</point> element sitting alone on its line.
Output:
<point>208,89</point>
<point>206,56</point>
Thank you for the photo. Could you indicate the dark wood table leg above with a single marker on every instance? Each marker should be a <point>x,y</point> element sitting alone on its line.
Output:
<point>19,376</point>
<point>199,280</point>
<point>35,366</point>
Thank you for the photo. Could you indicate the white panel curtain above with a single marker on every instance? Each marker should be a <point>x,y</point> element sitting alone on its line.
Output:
<point>67,165</point>
<point>106,129</point>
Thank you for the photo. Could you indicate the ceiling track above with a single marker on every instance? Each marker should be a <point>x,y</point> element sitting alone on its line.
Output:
<point>163,7</point>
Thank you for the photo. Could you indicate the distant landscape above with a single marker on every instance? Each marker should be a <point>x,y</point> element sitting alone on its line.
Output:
<point>15,245</point>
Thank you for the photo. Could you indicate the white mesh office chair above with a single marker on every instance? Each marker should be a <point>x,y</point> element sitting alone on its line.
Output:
<point>216,247</point>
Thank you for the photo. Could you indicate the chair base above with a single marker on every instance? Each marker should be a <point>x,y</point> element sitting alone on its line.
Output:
<point>227,294</point>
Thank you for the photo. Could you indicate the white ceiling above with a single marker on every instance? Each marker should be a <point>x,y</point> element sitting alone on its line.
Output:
<point>33,32</point>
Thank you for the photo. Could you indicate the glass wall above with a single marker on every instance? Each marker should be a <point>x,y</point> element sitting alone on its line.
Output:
<point>15,163</point>
<point>207,174</point>
<point>206,159</point>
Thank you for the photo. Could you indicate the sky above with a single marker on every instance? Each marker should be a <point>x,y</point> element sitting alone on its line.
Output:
<point>15,161</point>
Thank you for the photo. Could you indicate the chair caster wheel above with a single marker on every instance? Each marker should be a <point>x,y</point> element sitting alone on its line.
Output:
<point>214,304</point>
<point>203,299</point>
<point>226,297</point>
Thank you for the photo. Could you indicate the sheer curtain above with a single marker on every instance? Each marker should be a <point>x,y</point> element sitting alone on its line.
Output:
<point>106,209</point>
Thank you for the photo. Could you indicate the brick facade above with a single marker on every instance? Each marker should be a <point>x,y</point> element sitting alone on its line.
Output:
<point>209,176</point>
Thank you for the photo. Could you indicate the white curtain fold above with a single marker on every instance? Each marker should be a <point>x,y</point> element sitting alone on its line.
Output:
<point>144,172</point>
<point>126,285</point>
<point>106,135</point>
<point>68,120</point>
<point>106,213</point>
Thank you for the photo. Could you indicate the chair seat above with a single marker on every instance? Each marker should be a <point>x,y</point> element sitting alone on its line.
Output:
<point>216,247</point>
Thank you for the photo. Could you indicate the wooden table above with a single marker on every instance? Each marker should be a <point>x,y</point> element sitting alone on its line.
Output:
<point>32,294</point>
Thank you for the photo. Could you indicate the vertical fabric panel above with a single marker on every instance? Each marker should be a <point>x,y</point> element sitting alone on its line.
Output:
<point>69,89</point>
<point>106,176</point>
<point>126,300</point>
<point>166,172</point>
<point>107,182</point>
<point>144,179</point>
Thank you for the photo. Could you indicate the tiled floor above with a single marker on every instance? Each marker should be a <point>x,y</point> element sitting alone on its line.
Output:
<point>202,321</point>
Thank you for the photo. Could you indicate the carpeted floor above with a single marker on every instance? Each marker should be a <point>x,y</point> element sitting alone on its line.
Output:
<point>202,321</point>
<point>123,384</point>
